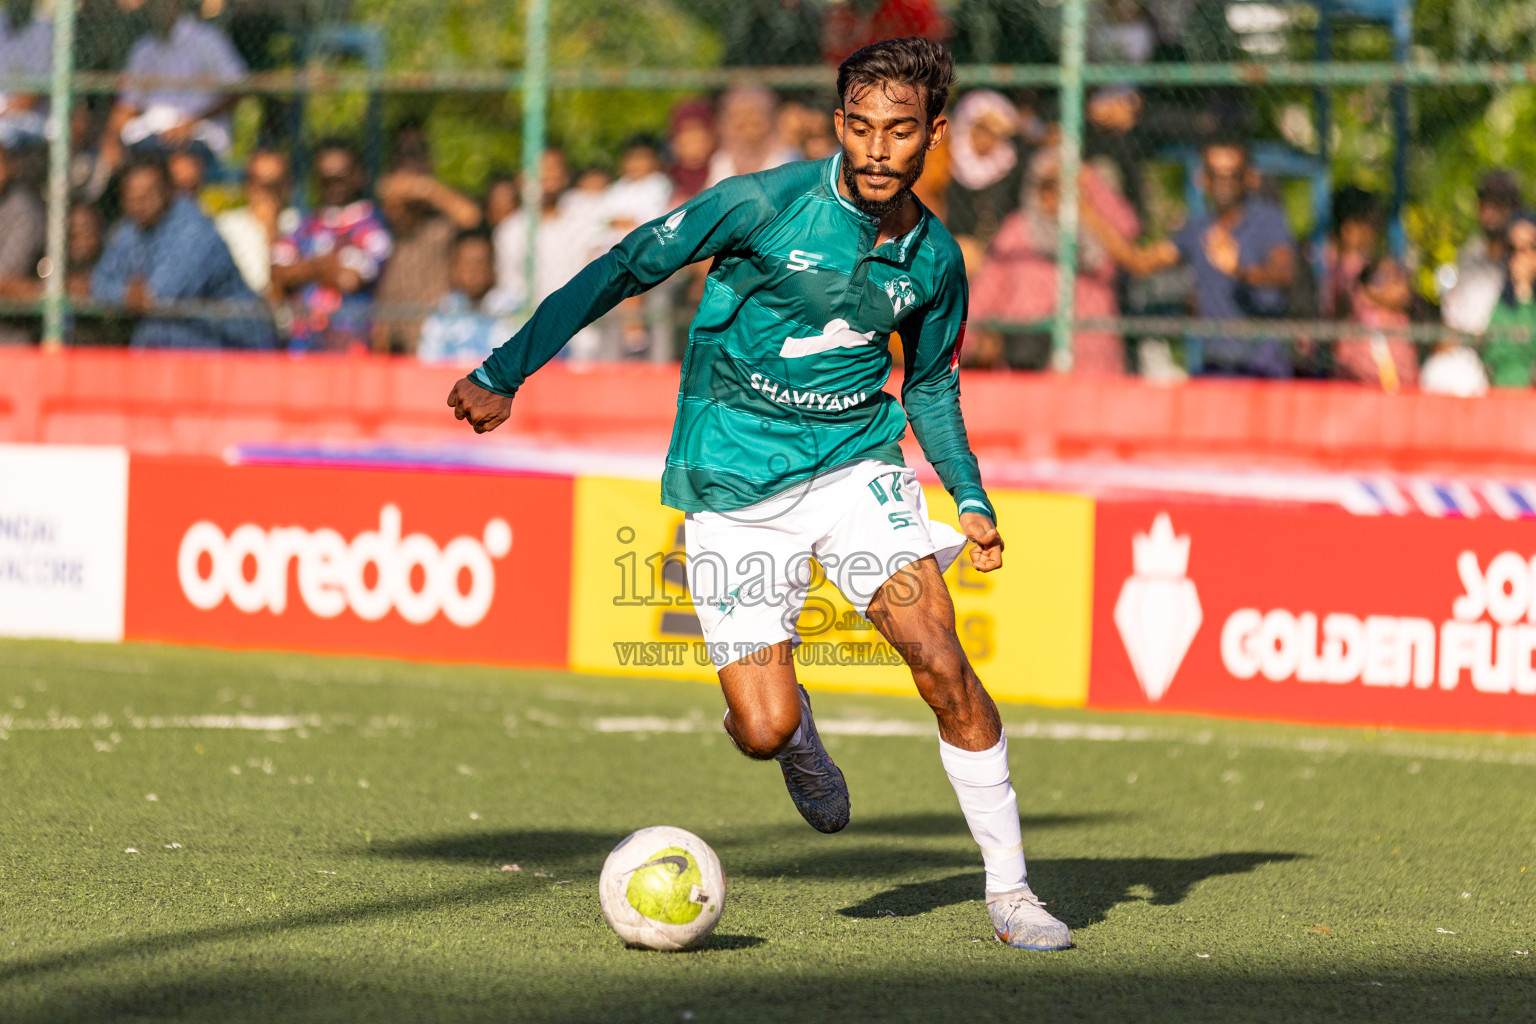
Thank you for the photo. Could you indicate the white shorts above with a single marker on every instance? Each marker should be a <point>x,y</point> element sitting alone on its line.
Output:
<point>749,569</point>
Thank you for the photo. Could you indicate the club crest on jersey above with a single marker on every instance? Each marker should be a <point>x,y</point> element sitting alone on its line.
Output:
<point>668,230</point>
<point>900,292</point>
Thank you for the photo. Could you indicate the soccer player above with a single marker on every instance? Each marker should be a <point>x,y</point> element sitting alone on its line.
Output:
<point>785,448</point>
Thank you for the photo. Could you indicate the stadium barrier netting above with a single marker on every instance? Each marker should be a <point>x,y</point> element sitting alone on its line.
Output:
<point>1080,139</point>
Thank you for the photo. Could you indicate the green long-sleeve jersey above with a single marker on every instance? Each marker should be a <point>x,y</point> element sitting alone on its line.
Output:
<point>789,349</point>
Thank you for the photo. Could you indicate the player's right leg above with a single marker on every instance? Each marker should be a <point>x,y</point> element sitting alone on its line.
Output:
<point>747,577</point>
<point>768,715</point>
<point>762,701</point>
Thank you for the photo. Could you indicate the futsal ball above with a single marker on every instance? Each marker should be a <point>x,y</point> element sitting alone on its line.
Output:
<point>662,888</point>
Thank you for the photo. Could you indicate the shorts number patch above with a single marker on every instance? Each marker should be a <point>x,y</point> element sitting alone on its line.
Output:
<point>894,485</point>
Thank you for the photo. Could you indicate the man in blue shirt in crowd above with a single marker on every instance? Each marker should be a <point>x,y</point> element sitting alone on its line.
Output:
<point>166,251</point>
<point>476,316</point>
<point>1243,256</point>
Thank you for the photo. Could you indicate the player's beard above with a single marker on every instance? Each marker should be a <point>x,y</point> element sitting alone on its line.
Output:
<point>879,208</point>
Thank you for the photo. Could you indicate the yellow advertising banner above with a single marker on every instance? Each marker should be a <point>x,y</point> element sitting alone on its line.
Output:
<point>1025,627</point>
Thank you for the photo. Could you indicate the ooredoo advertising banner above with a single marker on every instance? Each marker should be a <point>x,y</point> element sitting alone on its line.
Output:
<point>63,516</point>
<point>463,567</point>
<point>1315,615</point>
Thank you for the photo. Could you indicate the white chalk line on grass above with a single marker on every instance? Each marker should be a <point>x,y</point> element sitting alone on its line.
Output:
<point>1097,733</point>
<point>898,727</point>
<point>250,723</point>
<point>246,723</point>
<point>893,727</point>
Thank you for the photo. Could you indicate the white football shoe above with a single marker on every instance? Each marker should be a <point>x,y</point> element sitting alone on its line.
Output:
<point>1021,920</point>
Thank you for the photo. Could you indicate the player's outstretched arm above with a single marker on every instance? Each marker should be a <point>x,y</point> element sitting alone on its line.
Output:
<point>485,410</point>
<point>712,222</point>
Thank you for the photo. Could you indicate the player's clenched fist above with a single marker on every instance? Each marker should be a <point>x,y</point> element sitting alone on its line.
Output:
<point>986,542</point>
<point>485,410</point>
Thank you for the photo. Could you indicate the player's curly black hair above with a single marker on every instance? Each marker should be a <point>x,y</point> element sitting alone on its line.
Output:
<point>912,60</point>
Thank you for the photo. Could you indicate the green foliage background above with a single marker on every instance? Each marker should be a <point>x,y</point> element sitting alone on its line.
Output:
<point>474,135</point>
<point>1456,131</point>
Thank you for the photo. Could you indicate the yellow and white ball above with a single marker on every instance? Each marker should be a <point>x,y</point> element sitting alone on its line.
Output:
<point>662,888</point>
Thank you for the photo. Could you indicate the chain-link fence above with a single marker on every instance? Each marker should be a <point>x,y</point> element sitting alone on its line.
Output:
<point>1158,186</point>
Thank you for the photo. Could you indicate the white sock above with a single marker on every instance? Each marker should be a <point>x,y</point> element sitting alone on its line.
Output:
<point>991,809</point>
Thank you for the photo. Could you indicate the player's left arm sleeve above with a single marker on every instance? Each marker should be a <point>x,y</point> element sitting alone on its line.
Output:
<point>930,392</point>
<point>710,223</point>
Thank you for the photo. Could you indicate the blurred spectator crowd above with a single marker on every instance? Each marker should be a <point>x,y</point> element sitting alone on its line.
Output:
<point>407,264</point>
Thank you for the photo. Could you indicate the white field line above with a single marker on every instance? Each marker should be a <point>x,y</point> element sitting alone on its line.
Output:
<point>1093,733</point>
<point>246,723</point>
<point>902,727</point>
<point>647,723</point>
<point>252,723</point>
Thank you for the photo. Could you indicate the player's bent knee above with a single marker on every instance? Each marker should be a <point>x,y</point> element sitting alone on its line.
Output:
<point>763,735</point>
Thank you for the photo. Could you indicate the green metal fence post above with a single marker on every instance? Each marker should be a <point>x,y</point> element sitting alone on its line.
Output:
<point>535,114</point>
<point>1074,23</point>
<point>58,172</point>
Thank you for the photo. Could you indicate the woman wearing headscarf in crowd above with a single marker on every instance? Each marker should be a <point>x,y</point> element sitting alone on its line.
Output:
<point>690,142</point>
<point>1018,281</point>
<point>984,169</point>
<point>1511,349</point>
<point>1370,288</point>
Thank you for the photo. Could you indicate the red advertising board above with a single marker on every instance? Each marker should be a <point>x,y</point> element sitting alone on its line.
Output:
<point>1315,615</point>
<point>459,567</point>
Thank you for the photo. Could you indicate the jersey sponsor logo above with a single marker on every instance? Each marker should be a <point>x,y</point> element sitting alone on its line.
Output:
<point>901,293</point>
<point>802,260</point>
<point>668,230</point>
<point>820,401</point>
<point>837,334</point>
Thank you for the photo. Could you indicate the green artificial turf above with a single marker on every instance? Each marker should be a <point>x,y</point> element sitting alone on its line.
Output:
<point>350,867</point>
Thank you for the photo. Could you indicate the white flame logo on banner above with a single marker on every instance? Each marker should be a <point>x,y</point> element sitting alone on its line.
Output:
<point>1158,612</point>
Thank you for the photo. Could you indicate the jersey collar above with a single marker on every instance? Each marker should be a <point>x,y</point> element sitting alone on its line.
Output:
<point>901,245</point>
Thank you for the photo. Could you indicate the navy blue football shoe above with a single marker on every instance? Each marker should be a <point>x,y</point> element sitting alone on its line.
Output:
<point>815,784</point>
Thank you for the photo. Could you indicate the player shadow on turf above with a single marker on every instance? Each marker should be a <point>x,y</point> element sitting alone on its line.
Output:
<point>1079,890</point>
<point>181,942</point>
<point>950,823</point>
<point>142,945</point>
<point>892,846</point>
<point>562,851</point>
<point>531,849</point>
<point>574,849</point>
